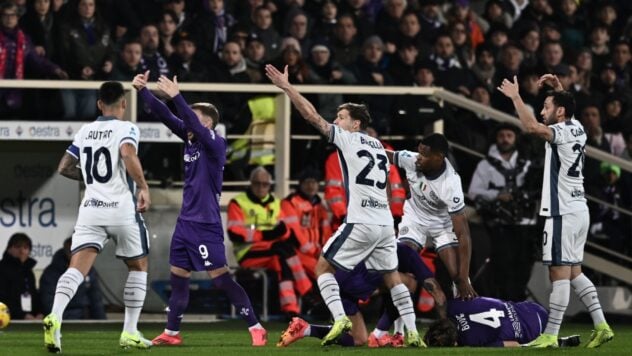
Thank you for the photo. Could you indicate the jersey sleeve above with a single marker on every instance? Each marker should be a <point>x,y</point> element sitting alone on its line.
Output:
<point>405,160</point>
<point>339,136</point>
<point>130,135</point>
<point>559,134</point>
<point>453,196</point>
<point>73,149</point>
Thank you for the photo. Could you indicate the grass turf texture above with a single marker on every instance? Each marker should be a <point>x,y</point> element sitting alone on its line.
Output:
<point>232,338</point>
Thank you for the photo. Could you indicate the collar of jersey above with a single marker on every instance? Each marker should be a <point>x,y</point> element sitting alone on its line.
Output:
<point>105,118</point>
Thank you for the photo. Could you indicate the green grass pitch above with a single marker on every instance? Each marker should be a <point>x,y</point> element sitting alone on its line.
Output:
<point>231,338</point>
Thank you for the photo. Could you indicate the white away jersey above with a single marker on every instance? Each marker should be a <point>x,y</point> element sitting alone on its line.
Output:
<point>432,200</point>
<point>563,182</point>
<point>365,172</point>
<point>110,194</point>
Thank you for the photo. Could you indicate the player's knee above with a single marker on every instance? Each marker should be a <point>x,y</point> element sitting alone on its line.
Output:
<point>223,281</point>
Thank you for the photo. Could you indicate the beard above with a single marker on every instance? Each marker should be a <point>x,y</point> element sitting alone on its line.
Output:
<point>506,148</point>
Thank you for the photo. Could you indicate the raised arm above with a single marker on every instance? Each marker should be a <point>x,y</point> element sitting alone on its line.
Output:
<point>307,110</point>
<point>68,167</point>
<point>202,133</point>
<point>158,108</point>
<point>531,125</point>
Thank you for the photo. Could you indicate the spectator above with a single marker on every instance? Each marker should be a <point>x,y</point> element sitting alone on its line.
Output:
<point>430,20</point>
<point>530,43</point>
<point>17,281</point>
<point>298,27</point>
<point>166,29</point>
<point>484,68</point>
<point>538,12</point>
<point>42,26</point>
<point>621,62</point>
<point>550,32</point>
<point>179,8</point>
<point>599,45</point>
<point>410,30</point>
<point>323,69</point>
<point>495,13</point>
<point>591,120</point>
<point>263,28</point>
<point>402,66</point>
<point>151,59</point>
<point>230,68</point>
<point>585,74</point>
<point>462,43</point>
<point>345,46</point>
<point>87,302</point>
<point>210,29</point>
<point>387,23</point>
<point>128,63</point>
<point>17,58</point>
<point>307,218</point>
<point>326,23</point>
<point>255,59</point>
<point>256,228</point>
<point>87,52</point>
<point>614,123</point>
<point>185,64</point>
<point>362,11</point>
<point>476,25</point>
<point>450,74</point>
<point>498,37</point>
<point>571,24</point>
<point>505,197</point>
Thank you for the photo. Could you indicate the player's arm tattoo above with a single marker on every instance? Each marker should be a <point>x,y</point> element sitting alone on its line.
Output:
<point>68,167</point>
<point>308,111</point>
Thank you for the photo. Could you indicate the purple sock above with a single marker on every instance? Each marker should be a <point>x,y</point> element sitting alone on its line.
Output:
<point>319,331</point>
<point>384,323</point>
<point>177,302</point>
<point>346,340</point>
<point>237,297</point>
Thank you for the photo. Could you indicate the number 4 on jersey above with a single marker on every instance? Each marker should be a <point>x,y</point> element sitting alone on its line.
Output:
<point>490,318</point>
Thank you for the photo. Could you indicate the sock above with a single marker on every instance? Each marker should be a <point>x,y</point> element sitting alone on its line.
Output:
<point>404,304</point>
<point>587,293</point>
<point>67,286</point>
<point>171,332</point>
<point>178,302</point>
<point>399,326</point>
<point>256,326</point>
<point>319,331</point>
<point>330,291</point>
<point>383,325</point>
<point>558,301</point>
<point>237,297</point>
<point>308,330</point>
<point>346,340</point>
<point>134,298</point>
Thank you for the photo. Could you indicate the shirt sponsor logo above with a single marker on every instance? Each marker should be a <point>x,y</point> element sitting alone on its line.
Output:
<point>96,203</point>
<point>372,203</point>
<point>191,158</point>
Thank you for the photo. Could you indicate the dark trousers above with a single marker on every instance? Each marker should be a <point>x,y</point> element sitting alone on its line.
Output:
<point>513,254</point>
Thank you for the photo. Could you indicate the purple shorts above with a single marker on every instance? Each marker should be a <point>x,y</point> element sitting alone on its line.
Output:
<point>197,246</point>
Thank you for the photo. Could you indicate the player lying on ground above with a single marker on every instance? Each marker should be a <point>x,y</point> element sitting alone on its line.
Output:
<point>198,240</point>
<point>434,214</point>
<point>367,235</point>
<point>359,285</point>
<point>490,322</point>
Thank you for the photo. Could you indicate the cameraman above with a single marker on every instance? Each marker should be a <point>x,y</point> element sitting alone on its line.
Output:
<point>506,203</point>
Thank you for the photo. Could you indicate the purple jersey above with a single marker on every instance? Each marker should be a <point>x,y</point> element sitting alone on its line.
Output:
<point>489,322</point>
<point>204,160</point>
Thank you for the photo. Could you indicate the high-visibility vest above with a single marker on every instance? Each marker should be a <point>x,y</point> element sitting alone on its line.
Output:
<point>263,110</point>
<point>256,218</point>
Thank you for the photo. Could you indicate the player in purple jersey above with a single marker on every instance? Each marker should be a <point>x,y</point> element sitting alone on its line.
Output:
<point>490,322</point>
<point>359,285</point>
<point>198,240</point>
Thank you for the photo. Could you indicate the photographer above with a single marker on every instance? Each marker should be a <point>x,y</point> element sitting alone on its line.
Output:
<point>506,203</point>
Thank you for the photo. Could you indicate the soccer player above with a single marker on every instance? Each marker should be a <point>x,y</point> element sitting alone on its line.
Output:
<point>434,213</point>
<point>490,322</point>
<point>359,285</point>
<point>564,206</point>
<point>367,234</point>
<point>116,193</point>
<point>197,243</point>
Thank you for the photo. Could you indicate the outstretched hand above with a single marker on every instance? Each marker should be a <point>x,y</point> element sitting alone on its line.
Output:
<point>277,78</point>
<point>551,80</point>
<point>140,80</point>
<point>510,89</point>
<point>169,87</point>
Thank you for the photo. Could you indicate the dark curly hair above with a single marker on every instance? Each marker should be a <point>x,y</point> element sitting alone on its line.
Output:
<point>441,333</point>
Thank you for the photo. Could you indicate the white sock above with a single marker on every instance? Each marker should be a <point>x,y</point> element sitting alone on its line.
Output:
<point>134,298</point>
<point>256,326</point>
<point>330,291</point>
<point>67,286</point>
<point>308,330</point>
<point>171,332</point>
<point>558,301</point>
<point>378,333</point>
<point>587,293</point>
<point>399,326</point>
<point>404,304</point>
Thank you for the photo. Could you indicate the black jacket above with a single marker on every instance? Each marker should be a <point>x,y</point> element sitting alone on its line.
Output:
<point>17,278</point>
